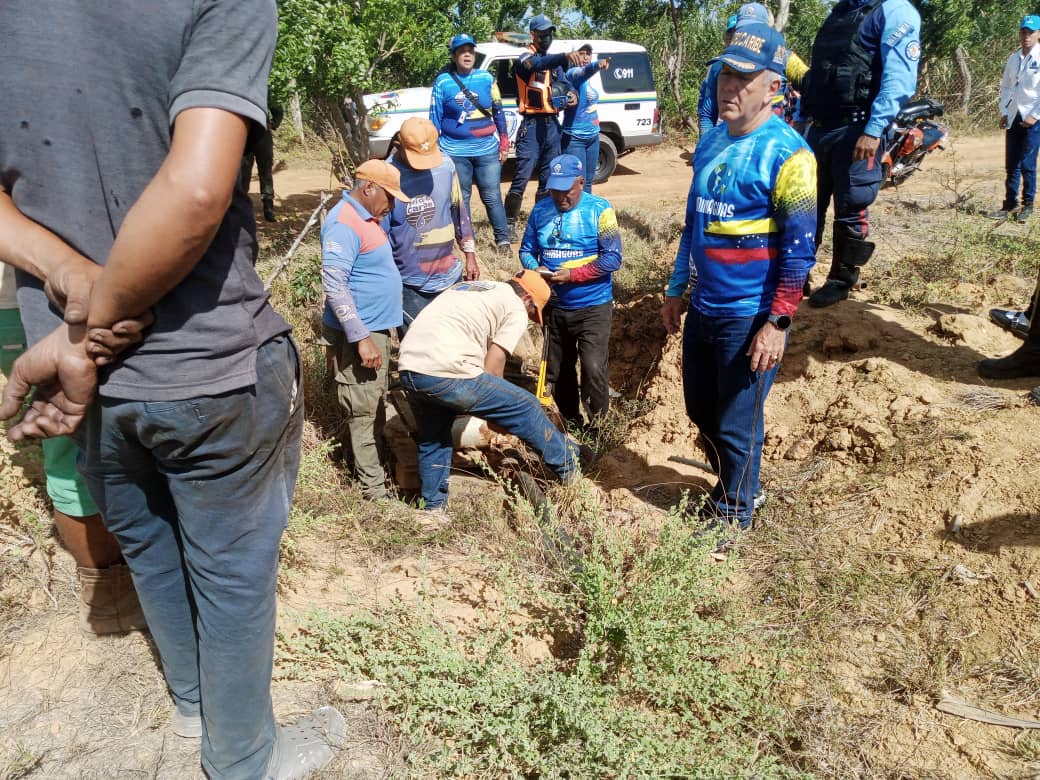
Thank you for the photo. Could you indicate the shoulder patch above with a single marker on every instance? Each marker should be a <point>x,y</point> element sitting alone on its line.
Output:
<point>913,51</point>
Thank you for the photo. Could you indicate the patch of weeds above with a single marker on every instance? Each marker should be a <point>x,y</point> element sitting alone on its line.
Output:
<point>613,428</point>
<point>1015,677</point>
<point>305,279</point>
<point>1025,747</point>
<point>18,761</point>
<point>664,678</point>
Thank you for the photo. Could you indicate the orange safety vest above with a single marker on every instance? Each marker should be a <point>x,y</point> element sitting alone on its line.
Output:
<point>534,96</point>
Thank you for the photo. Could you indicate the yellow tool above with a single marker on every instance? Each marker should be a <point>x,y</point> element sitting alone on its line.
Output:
<point>540,390</point>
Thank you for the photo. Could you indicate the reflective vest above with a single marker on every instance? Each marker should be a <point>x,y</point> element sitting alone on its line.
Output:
<point>844,78</point>
<point>534,96</point>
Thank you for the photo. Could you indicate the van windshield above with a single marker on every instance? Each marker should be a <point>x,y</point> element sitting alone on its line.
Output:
<point>629,71</point>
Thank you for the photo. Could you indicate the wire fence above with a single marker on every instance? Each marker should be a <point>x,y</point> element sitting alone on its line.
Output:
<point>968,85</point>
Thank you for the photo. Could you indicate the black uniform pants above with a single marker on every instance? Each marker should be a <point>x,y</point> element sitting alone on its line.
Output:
<point>579,334</point>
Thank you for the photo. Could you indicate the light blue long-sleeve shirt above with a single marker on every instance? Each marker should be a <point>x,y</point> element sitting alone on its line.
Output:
<point>893,33</point>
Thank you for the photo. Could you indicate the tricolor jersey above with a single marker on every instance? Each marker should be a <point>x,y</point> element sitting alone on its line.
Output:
<point>750,227</point>
<point>585,239</point>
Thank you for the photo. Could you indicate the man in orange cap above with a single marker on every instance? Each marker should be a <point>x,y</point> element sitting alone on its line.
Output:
<point>451,364</point>
<point>362,305</point>
<point>424,231</point>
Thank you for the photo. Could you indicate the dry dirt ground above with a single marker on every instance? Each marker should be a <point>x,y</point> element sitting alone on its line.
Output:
<point>874,437</point>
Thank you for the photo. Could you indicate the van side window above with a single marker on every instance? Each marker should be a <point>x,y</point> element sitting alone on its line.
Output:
<point>504,77</point>
<point>629,71</point>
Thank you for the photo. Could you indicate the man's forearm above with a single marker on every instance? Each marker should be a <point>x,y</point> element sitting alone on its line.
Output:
<point>171,225</point>
<point>29,246</point>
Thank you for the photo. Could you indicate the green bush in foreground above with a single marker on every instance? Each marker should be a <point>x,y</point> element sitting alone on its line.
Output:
<point>660,679</point>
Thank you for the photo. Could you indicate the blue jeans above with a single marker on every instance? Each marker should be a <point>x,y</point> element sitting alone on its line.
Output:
<point>853,185</point>
<point>586,150</point>
<point>486,172</point>
<point>537,143</point>
<point>437,401</point>
<point>725,400</point>
<point>197,492</point>
<point>1020,147</point>
<point>414,301</point>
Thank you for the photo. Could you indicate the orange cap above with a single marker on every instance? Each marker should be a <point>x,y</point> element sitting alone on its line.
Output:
<point>385,175</point>
<point>536,287</point>
<point>419,143</point>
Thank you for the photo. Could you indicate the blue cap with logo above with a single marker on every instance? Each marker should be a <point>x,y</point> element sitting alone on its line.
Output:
<point>462,39</point>
<point>1031,22</point>
<point>563,170</point>
<point>541,23</point>
<point>755,47</point>
<point>732,22</point>
<point>753,12</point>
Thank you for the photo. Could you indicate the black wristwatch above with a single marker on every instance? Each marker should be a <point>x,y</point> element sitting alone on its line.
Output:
<point>780,321</point>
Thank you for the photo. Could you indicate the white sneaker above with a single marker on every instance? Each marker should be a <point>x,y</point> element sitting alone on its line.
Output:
<point>307,745</point>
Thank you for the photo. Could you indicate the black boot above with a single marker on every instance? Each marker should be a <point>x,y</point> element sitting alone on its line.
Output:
<point>850,252</point>
<point>512,204</point>
<point>1024,361</point>
<point>269,209</point>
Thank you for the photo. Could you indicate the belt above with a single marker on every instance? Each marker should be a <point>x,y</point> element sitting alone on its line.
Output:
<point>855,116</point>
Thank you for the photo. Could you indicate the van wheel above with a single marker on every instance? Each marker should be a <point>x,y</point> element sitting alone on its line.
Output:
<point>607,159</point>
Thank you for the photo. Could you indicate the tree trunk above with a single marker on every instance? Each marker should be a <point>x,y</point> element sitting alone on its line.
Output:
<point>783,13</point>
<point>673,63</point>
<point>962,63</point>
<point>295,113</point>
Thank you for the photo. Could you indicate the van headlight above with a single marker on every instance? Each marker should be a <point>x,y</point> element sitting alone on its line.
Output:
<point>376,121</point>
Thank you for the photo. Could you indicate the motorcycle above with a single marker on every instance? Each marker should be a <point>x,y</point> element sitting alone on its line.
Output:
<point>913,136</point>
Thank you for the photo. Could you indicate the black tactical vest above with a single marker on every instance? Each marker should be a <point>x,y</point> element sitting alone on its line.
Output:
<point>843,79</point>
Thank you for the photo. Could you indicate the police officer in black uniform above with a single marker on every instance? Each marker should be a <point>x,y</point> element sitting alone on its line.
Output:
<point>542,93</point>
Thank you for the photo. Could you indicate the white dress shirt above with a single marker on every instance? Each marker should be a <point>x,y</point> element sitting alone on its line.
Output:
<point>1020,86</point>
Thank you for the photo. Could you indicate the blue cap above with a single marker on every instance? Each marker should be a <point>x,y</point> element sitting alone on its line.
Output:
<point>563,170</point>
<point>1031,22</point>
<point>753,12</point>
<point>541,23</point>
<point>462,39</point>
<point>731,22</point>
<point>755,47</point>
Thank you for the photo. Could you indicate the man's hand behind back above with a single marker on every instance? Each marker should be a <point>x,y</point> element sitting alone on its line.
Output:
<point>65,379</point>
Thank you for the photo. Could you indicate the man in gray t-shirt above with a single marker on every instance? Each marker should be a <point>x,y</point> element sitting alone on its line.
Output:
<point>121,134</point>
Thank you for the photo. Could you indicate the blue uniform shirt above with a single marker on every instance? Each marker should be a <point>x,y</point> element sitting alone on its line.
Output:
<point>585,239</point>
<point>463,129</point>
<point>893,33</point>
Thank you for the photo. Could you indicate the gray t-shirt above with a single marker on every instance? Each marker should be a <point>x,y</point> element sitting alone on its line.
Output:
<point>90,94</point>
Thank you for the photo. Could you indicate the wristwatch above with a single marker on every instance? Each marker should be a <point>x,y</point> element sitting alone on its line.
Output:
<point>780,321</point>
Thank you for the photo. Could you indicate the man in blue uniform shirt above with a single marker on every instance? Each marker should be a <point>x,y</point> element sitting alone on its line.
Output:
<point>573,239</point>
<point>864,69</point>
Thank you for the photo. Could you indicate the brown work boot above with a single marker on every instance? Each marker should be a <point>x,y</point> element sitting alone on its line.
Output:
<point>108,603</point>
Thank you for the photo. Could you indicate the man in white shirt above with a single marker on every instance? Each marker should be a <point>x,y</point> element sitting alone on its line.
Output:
<point>1019,113</point>
<point>451,362</point>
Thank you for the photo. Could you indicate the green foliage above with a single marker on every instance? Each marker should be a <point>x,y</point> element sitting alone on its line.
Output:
<point>657,675</point>
<point>305,282</point>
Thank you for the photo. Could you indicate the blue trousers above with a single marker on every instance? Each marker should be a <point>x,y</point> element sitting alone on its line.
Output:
<point>537,143</point>
<point>586,150</point>
<point>197,492</point>
<point>414,301</point>
<point>437,401</point>
<point>486,172</point>
<point>852,185</point>
<point>1020,147</point>
<point>725,400</point>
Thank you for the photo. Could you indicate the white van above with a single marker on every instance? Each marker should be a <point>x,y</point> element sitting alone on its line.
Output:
<point>628,113</point>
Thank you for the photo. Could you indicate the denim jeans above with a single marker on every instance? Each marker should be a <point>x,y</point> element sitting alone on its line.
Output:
<point>579,335</point>
<point>725,400</point>
<point>486,172</point>
<point>197,492</point>
<point>414,301</point>
<point>586,150</point>
<point>437,401</point>
<point>1020,147</point>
